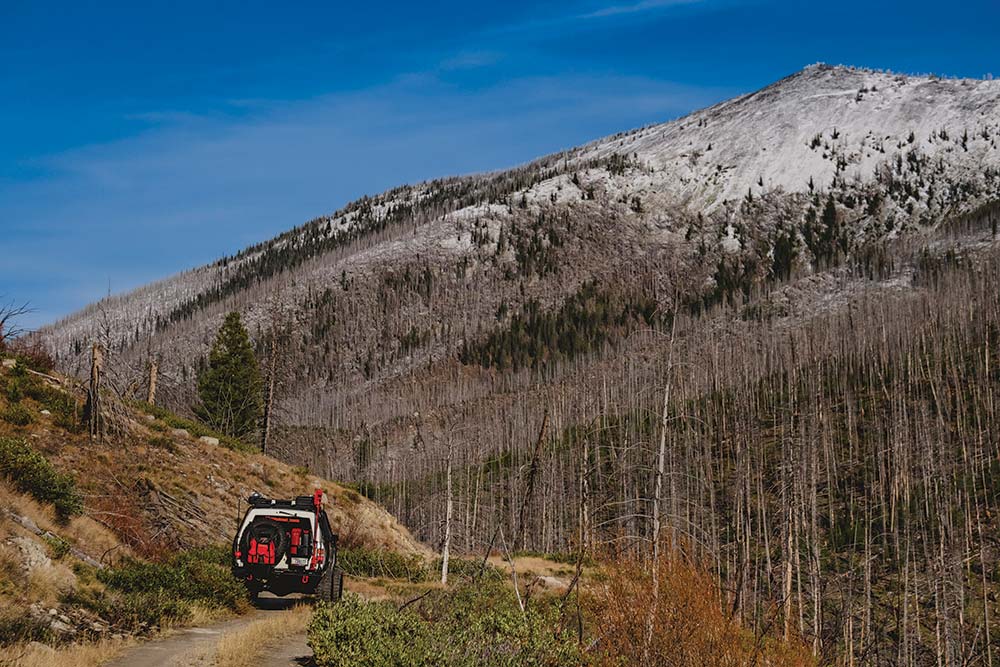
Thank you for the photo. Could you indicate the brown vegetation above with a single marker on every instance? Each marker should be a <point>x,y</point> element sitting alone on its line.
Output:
<point>691,624</point>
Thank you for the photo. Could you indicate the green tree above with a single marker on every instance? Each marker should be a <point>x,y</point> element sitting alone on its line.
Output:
<point>230,387</point>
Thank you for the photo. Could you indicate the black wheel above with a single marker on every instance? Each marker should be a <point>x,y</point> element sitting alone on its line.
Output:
<point>337,590</point>
<point>331,586</point>
<point>325,589</point>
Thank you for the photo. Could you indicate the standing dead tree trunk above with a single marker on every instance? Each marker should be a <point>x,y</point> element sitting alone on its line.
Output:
<point>449,508</point>
<point>151,393</point>
<point>95,419</point>
<point>529,487</point>
<point>658,496</point>
<point>265,431</point>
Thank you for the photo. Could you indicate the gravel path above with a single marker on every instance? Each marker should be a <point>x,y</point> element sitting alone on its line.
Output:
<point>193,647</point>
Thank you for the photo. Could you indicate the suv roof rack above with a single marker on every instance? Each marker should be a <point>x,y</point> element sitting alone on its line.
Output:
<point>257,500</point>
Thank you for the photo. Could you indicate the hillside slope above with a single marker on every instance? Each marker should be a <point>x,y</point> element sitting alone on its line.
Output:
<point>80,520</point>
<point>394,282</point>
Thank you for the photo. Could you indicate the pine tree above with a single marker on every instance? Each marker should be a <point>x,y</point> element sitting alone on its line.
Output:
<point>230,386</point>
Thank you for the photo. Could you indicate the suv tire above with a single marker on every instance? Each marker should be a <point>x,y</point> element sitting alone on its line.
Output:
<point>337,591</point>
<point>331,586</point>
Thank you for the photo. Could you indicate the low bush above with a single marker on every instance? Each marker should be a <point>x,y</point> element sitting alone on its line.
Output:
<point>31,473</point>
<point>459,627</point>
<point>14,384</point>
<point>468,568</point>
<point>136,612</point>
<point>33,355</point>
<point>57,545</point>
<point>140,596</point>
<point>193,576</point>
<point>13,391</point>
<point>355,632</point>
<point>365,562</point>
<point>17,414</point>
<point>61,404</point>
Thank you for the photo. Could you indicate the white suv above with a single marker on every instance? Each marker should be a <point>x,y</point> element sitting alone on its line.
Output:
<point>287,546</point>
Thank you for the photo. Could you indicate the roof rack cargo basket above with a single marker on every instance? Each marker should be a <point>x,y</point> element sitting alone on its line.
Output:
<point>258,500</point>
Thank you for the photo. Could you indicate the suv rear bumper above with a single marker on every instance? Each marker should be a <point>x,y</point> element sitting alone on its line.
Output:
<point>279,582</point>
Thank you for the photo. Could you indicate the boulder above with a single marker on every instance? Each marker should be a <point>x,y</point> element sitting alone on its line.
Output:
<point>10,363</point>
<point>33,554</point>
<point>208,440</point>
<point>62,628</point>
<point>180,433</point>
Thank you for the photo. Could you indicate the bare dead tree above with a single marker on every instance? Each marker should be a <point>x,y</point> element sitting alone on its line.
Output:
<point>10,313</point>
<point>93,411</point>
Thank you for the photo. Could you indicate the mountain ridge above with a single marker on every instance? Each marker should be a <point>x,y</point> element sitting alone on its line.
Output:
<point>726,199</point>
<point>602,147</point>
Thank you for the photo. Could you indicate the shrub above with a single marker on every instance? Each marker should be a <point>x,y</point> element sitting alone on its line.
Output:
<point>141,596</point>
<point>365,562</point>
<point>468,568</point>
<point>33,355</point>
<point>61,404</point>
<point>689,626</point>
<point>17,414</point>
<point>58,546</point>
<point>460,627</point>
<point>200,575</point>
<point>136,612</point>
<point>14,385</point>
<point>13,391</point>
<point>356,632</point>
<point>31,473</point>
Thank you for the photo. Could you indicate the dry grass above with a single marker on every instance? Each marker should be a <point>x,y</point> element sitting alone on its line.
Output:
<point>201,615</point>
<point>50,583</point>
<point>244,647</point>
<point>85,655</point>
<point>10,565</point>
<point>82,532</point>
<point>534,566</point>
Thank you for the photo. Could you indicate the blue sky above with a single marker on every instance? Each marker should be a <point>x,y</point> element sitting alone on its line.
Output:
<point>141,139</point>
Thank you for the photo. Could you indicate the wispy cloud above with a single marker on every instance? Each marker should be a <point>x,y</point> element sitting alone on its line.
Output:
<point>471,60</point>
<point>634,8</point>
<point>592,15</point>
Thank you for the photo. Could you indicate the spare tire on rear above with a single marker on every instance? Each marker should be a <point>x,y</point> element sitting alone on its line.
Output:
<point>266,532</point>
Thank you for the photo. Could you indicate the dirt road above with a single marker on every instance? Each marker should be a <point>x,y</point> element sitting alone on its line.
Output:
<point>294,652</point>
<point>197,647</point>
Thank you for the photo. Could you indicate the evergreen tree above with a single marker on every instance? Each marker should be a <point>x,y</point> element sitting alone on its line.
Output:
<point>230,386</point>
